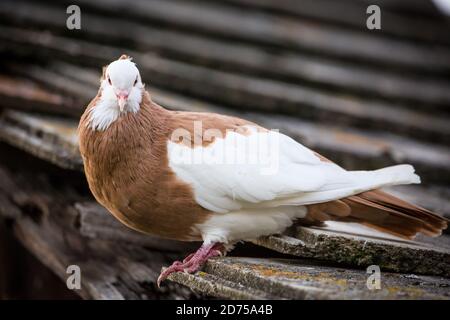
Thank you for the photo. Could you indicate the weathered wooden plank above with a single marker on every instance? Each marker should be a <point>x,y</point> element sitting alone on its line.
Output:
<point>270,95</point>
<point>26,95</point>
<point>362,247</point>
<point>211,285</point>
<point>57,258</point>
<point>352,14</point>
<point>301,279</point>
<point>54,141</point>
<point>96,222</point>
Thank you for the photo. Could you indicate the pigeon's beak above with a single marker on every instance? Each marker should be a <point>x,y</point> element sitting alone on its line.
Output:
<point>122,98</point>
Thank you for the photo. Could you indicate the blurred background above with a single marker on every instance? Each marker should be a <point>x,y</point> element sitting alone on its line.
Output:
<point>310,68</point>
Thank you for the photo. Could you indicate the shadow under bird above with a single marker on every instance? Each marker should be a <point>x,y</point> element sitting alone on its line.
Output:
<point>140,163</point>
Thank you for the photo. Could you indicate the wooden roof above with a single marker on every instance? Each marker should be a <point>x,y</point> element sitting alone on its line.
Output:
<point>363,98</point>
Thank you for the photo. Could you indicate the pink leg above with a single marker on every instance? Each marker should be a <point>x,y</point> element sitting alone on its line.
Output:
<point>194,261</point>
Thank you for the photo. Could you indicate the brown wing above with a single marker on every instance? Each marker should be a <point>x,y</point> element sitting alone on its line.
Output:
<point>379,210</point>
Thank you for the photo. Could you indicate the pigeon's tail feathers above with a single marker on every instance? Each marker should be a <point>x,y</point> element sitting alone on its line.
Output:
<point>382,211</point>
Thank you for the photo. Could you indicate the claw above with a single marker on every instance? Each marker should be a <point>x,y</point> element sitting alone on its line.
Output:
<point>161,278</point>
<point>192,262</point>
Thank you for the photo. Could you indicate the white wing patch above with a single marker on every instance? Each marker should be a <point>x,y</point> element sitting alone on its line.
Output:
<point>258,187</point>
<point>239,170</point>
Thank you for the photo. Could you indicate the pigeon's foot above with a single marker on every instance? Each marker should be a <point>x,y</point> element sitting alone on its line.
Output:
<point>194,261</point>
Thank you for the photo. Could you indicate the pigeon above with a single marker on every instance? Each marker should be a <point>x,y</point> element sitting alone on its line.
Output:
<point>194,176</point>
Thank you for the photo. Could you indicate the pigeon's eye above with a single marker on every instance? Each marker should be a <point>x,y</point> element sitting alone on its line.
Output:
<point>109,81</point>
<point>135,81</point>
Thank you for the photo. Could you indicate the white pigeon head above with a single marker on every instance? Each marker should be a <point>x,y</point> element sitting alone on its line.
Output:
<point>122,84</point>
<point>121,91</point>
